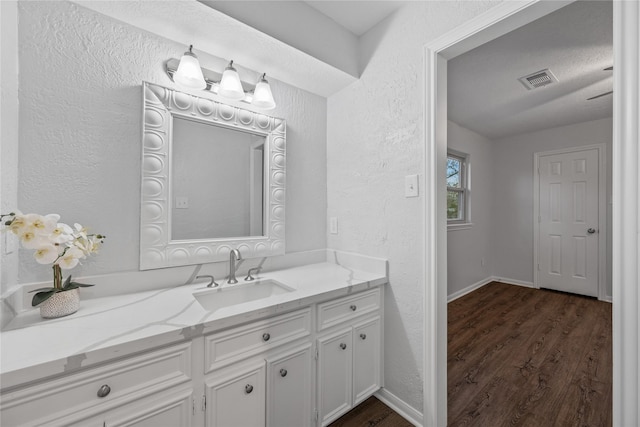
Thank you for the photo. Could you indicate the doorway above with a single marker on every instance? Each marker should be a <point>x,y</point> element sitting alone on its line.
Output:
<point>502,19</point>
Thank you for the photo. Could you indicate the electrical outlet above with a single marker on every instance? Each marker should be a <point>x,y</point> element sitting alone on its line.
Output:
<point>182,203</point>
<point>333,225</point>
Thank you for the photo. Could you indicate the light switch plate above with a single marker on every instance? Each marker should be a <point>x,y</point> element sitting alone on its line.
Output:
<point>411,186</point>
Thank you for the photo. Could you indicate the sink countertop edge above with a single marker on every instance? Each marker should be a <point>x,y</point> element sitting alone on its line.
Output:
<point>97,339</point>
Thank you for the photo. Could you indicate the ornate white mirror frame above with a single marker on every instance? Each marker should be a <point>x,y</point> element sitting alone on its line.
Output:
<point>157,250</point>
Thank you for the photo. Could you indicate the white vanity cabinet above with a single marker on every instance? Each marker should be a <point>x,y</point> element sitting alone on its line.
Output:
<point>131,391</point>
<point>302,368</point>
<point>349,353</point>
<point>260,373</point>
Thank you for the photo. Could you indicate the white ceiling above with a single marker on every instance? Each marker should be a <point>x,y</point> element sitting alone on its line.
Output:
<point>356,16</point>
<point>575,43</point>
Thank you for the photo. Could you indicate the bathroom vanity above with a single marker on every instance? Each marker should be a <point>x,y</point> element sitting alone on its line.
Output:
<point>297,358</point>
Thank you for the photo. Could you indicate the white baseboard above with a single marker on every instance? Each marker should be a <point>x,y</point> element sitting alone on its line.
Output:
<point>486,281</point>
<point>468,289</point>
<point>512,281</point>
<point>394,402</point>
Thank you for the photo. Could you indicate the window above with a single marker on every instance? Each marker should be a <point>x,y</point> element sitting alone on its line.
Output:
<point>457,188</point>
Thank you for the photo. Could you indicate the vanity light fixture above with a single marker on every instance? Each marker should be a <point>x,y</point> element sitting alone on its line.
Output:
<point>188,73</point>
<point>230,85</point>
<point>262,96</point>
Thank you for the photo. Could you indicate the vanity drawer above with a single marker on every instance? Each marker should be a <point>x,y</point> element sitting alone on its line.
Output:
<point>234,344</point>
<point>346,308</point>
<point>79,394</point>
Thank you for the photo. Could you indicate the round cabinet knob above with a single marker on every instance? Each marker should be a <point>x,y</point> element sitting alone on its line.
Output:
<point>343,346</point>
<point>283,372</point>
<point>353,307</point>
<point>104,391</point>
<point>266,337</point>
<point>248,388</point>
<point>363,336</point>
<point>591,230</point>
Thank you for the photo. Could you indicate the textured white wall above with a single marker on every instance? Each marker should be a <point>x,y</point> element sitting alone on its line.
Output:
<point>375,138</point>
<point>80,132</point>
<point>9,138</point>
<point>513,192</point>
<point>467,247</point>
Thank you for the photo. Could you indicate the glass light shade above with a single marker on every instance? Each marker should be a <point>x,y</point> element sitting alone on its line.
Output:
<point>262,96</point>
<point>230,86</point>
<point>189,73</point>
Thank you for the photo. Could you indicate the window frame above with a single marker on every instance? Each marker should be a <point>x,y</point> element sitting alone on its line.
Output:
<point>464,190</point>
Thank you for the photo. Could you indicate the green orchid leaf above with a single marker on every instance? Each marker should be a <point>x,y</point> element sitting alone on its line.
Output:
<point>75,285</point>
<point>66,282</point>
<point>41,297</point>
<point>83,285</point>
<point>42,290</point>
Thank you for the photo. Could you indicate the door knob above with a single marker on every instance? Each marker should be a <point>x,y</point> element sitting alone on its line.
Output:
<point>591,230</point>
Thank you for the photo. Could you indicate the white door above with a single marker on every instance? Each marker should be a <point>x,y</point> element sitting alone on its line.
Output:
<point>289,389</point>
<point>568,222</point>
<point>236,398</point>
<point>366,360</point>
<point>334,375</point>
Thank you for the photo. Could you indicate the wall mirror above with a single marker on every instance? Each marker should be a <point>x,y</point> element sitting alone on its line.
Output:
<point>213,180</point>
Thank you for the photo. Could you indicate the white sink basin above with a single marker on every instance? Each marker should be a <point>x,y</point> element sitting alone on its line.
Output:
<point>212,299</point>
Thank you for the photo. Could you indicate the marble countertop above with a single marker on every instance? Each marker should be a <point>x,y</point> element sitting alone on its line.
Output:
<point>33,348</point>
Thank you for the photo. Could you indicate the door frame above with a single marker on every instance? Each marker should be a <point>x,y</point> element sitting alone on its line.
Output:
<point>497,21</point>
<point>602,212</point>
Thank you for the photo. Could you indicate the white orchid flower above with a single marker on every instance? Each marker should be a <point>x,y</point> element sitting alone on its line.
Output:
<point>61,234</point>
<point>80,231</point>
<point>46,254</point>
<point>30,239</point>
<point>18,223</point>
<point>47,223</point>
<point>70,258</point>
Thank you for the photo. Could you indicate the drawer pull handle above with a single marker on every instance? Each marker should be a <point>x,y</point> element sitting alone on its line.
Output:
<point>283,372</point>
<point>353,307</point>
<point>248,388</point>
<point>104,391</point>
<point>343,346</point>
<point>266,337</point>
<point>363,336</point>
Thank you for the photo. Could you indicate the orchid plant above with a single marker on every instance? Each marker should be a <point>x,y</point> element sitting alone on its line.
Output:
<point>54,243</point>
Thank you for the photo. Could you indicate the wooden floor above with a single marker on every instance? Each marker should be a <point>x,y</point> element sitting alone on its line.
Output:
<point>371,413</point>
<point>527,357</point>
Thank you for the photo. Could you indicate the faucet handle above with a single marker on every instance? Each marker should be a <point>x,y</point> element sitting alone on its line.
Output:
<point>249,276</point>
<point>212,281</point>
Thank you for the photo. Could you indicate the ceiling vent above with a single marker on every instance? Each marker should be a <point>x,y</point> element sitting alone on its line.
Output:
<point>538,79</point>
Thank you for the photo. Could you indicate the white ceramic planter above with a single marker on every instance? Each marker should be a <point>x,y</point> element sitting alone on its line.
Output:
<point>60,304</point>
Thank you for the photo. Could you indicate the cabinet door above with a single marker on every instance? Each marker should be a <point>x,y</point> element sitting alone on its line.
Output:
<point>237,397</point>
<point>366,359</point>
<point>289,389</point>
<point>334,375</point>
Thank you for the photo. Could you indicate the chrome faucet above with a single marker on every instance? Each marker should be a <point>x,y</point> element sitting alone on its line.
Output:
<point>234,256</point>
